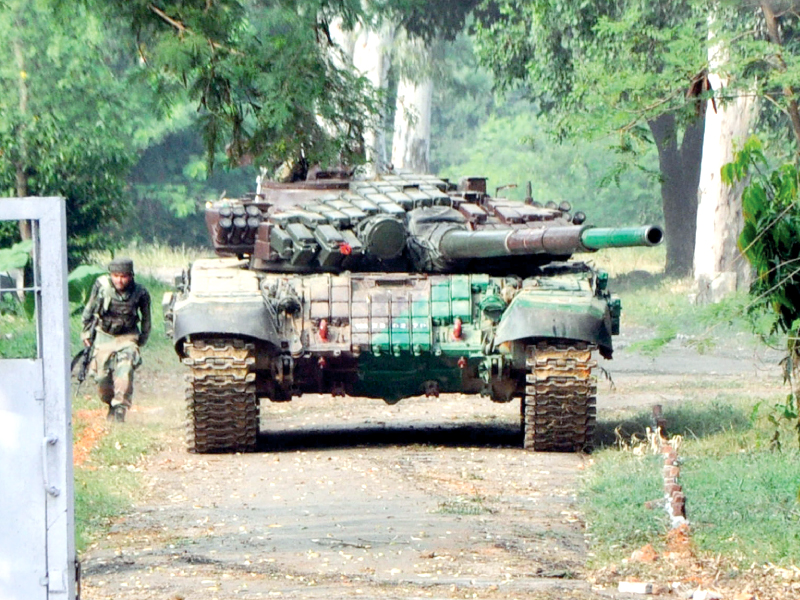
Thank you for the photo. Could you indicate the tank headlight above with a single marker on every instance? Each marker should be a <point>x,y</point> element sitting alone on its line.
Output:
<point>579,218</point>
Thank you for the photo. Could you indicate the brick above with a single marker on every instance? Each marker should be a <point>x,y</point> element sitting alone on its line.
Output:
<point>635,587</point>
<point>671,471</point>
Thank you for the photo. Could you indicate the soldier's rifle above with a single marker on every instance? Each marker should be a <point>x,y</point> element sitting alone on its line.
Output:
<point>84,357</point>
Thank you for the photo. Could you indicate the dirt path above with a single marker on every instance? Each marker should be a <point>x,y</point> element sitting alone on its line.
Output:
<point>352,498</point>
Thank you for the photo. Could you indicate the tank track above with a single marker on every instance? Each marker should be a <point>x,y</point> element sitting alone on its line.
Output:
<point>222,413</point>
<point>559,406</point>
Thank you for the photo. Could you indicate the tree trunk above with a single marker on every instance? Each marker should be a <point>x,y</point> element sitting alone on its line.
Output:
<point>371,58</point>
<point>718,268</point>
<point>680,171</point>
<point>341,51</point>
<point>412,123</point>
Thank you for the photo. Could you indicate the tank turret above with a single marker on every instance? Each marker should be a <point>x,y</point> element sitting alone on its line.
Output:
<point>404,223</point>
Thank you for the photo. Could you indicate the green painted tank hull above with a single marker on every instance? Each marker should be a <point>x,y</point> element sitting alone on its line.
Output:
<point>390,335</point>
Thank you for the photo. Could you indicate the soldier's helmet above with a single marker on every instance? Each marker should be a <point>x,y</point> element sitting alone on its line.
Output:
<point>121,265</point>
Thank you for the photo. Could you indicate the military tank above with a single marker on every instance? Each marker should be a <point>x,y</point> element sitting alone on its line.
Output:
<point>405,285</point>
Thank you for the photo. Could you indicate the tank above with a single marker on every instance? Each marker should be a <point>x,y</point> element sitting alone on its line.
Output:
<point>401,286</point>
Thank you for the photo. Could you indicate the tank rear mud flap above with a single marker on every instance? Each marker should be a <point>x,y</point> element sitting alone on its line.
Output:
<point>559,406</point>
<point>222,413</point>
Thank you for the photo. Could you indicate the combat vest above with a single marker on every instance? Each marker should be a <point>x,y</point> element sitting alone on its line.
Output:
<point>118,316</point>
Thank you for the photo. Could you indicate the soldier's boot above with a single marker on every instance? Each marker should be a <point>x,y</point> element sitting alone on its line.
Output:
<point>123,391</point>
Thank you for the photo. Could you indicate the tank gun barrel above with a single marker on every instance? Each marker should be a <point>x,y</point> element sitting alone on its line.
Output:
<point>558,241</point>
<point>596,238</point>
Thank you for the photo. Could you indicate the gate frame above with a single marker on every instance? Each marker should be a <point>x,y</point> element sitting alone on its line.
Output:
<point>53,357</point>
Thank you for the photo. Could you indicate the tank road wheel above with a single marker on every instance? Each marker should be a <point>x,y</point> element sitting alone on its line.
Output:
<point>221,404</point>
<point>559,406</point>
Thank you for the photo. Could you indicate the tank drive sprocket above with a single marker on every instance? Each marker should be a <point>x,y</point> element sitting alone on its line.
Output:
<point>559,405</point>
<point>222,412</point>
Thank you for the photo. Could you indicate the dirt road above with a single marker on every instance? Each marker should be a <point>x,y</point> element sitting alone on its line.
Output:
<point>348,498</point>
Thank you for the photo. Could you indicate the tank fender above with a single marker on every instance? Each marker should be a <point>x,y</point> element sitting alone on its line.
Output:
<point>529,316</point>
<point>250,318</point>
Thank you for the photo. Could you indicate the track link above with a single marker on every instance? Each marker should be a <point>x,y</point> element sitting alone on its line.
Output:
<point>559,407</point>
<point>222,412</point>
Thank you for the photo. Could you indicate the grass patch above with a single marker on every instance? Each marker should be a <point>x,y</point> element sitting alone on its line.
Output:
<point>636,260</point>
<point>690,420</point>
<point>17,331</point>
<point>743,500</point>
<point>148,257</point>
<point>666,307</point>
<point>109,482</point>
<point>614,494</point>
<point>744,505</point>
<point>463,505</point>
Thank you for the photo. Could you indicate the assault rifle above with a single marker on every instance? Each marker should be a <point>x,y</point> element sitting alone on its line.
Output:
<point>84,357</point>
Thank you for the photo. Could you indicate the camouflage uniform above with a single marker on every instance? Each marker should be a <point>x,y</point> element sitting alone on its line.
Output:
<point>115,354</point>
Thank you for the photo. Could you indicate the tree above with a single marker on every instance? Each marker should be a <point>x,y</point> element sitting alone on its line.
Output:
<point>64,123</point>
<point>730,115</point>
<point>633,69</point>
<point>372,58</point>
<point>259,72</point>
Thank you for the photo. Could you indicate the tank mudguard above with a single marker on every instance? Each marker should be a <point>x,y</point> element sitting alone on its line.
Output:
<point>532,315</point>
<point>236,318</point>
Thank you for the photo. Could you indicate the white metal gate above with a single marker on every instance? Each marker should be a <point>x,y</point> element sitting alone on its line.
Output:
<point>37,548</point>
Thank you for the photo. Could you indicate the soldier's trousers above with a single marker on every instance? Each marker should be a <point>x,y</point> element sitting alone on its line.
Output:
<point>114,360</point>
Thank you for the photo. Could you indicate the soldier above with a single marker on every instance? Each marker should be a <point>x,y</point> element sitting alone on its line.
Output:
<point>120,306</point>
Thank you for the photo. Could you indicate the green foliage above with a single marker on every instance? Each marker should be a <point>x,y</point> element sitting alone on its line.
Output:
<point>63,118</point>
<point>428,19</point>
<point>263,75</point>
<point>17,256</point>
<point>473,134</point>
<point>627,74</point>
<point>171,184</point>
<point>597,66</point>
<point>770,238</point>
<point>514,149</point>
<point>80,282</point>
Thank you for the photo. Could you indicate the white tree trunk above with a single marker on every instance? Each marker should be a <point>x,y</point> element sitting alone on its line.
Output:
<point>718,268</point>
<point>341,55</point>
<point>371,59</point>
<point>343,43</point>
<point>412,123</point>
